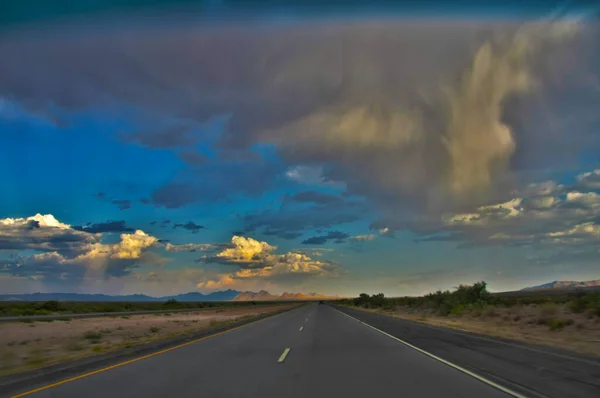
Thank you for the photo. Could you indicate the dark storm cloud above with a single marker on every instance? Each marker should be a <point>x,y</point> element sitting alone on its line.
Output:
<point>291,220</point>
<point>190,226</point>
<point>192,158</point>
<point>213,182</point>
<point>315,197</point>
<point>105,227</point>
<point>122,204</point>
<point>413,115</point>
<point>179,136</point>
<point>336,236</point>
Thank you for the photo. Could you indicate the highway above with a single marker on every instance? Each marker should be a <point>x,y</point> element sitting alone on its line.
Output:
<point>314,351</point>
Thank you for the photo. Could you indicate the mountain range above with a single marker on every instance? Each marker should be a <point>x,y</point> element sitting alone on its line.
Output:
<point>595,284</point>
<point>266,296</point>
<point>225,295</point>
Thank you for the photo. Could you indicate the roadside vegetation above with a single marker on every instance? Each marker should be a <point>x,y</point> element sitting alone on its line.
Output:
<point>31,308</point>
<point>567,319</point>
<point>475,300</point>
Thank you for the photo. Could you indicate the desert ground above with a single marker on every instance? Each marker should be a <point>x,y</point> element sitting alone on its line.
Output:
<point>550,324</point>
<point>30,345</point>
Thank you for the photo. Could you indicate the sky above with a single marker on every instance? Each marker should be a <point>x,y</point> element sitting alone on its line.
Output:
<point>286,146</point>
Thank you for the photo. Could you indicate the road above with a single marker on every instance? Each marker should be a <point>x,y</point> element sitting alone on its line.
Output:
<point>534,371</point>
<point>329,354</point>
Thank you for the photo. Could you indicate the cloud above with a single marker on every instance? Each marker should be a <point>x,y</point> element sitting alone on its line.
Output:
<point>554,219</point>
<point>169,137</point>
<point>122,204</point>
<point>218,181</point>
<point>311,175</point>
<point>363,238</point>
<point>336,236</point>
<point>257,261</point>
<point>190,226</point>
<point>69,255</point>
<point>105,227</point>
<point>423,115</point>
<point>310,212</point>
<point>42,232</point>
<point>245,251</point>
<point>590,180</point>
<point>315,197</point>
<point>193,247</point>
<point>193,158</point>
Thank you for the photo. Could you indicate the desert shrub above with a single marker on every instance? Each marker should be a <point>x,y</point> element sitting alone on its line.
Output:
<point>74,347</point>
<point>549,309</point>
<point>92,336</point>
<point>52,306</point>
<point>556,324</point>
<point>154,329</point>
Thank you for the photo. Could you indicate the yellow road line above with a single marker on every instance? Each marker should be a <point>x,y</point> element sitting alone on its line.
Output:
<point>282,357</point>
<point>459,368</point>
<point>131,361</point>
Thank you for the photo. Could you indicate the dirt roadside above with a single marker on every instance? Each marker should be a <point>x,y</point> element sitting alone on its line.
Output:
<point>552,326</point>
<point>29,346</point>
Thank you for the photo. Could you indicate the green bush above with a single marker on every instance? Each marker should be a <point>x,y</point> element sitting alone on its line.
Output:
<point>556,324</point>
<point>92,336</point>
<point>457,309</point>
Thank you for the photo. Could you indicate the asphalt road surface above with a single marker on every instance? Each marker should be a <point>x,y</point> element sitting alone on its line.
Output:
<point>314,351</point>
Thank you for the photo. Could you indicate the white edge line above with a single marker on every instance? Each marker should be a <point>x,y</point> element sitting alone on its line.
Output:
<point>448,329</point>
<point>301,327</point>
<point>474,375</point>
<point>282,357</point>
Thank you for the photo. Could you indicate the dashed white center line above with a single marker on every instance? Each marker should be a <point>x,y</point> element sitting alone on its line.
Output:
<point>301,327</point>
<point>282,357</point>
<point>306,320</point>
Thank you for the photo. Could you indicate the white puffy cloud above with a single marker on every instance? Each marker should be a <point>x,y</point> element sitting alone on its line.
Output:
<point>246,251</point>
<point>363,238</point>
<point>486,214</point>
<point>42,232</point>
<point>590,180</point>
<point>548,216</point>
<point>260,264</point>
<point>192,247</point>
<point>591,199</point>
<point>66,254</point>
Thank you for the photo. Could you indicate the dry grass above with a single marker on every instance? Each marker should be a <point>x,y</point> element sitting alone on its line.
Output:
<point>24,348</point>
<point>551,325</point>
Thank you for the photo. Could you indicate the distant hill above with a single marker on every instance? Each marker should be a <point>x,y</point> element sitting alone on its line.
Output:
<point>264,296</point>
<point>566,285</point>
<point>225,295</point>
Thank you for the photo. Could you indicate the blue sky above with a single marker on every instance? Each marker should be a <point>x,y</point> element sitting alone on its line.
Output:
<point>398,154</point>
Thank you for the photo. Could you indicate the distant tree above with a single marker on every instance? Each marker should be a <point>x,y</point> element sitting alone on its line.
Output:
<point>171,302</point>
<point>52,305</point>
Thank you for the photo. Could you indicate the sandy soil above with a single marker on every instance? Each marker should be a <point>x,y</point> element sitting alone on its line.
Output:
<point>25,346</point>
<point>530,324</point>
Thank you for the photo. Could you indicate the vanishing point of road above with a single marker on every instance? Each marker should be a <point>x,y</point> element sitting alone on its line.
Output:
<point>313,351</point>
